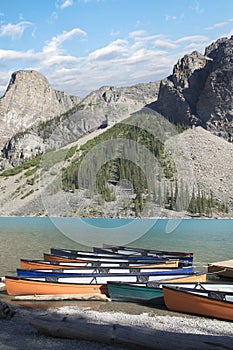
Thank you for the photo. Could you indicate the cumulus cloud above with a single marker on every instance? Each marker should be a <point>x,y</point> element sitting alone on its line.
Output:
<point>15,55</point>
<point>138,57</point>
<point>112,51</point>
<point>15,31</point>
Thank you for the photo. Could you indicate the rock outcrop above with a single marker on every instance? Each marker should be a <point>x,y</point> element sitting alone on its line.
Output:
<point>199,92</point>
<point>28,101</point>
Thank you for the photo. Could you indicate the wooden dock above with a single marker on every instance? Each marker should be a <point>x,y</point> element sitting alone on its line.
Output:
<point>222,268</point>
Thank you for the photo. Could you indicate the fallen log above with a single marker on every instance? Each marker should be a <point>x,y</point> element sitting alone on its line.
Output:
<point>2,287</point>
<point>6,312</point>
<point>133,336</point>
<point>55,297</point>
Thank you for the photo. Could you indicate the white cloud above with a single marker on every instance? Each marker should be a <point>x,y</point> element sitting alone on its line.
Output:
<point>217,25</point>
<point>137,33</point>
<point>64,3</point>
<point>15,31</point>
<point>163,43</point>
<point>10,55</point>
<point>139,57</point>
<point>112,51</point>
<point>196,38</point>
<point>57,41</point>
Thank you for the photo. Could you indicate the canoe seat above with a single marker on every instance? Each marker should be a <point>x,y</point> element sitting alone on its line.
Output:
<point>217,295</point>
<point>142,278</point>
<point>51,279</point>
<point>153,284</point>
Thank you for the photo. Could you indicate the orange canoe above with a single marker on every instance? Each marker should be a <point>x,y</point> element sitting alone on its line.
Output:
<point>23,286</point>
<point>197,277</point>
<point>41,264</point>
<point>216,304</point>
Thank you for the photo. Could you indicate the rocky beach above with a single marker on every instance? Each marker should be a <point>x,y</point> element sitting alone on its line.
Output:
<point>177,331</point>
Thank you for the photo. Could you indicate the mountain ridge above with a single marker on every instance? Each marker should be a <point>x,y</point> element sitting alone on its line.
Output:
<point>196,96</point>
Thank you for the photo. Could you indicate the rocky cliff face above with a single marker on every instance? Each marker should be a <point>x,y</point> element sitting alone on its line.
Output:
<point>100,109</point>
<point>199,92</point>
<point>28,101</point>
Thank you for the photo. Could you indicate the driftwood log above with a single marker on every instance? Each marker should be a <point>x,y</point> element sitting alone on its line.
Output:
<point>6,312</point>
<point>139,337</point>
<point>2,284</point>
<point>55,297</point>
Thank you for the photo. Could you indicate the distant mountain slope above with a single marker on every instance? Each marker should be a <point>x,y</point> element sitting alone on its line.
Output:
<point>101,108</point>
<point>185,174</point>
<point>205,160</point>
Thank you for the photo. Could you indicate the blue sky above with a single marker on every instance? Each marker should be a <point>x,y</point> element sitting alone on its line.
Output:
<point>81,45</point>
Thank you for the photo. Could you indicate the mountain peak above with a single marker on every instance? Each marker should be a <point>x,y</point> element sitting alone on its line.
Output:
<point>199,91</point>
<point>29,100</point>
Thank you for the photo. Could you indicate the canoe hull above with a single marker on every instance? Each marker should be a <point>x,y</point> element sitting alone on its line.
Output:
<point>184,258</point>
<point>41,264</point>
<point>134,250</point>
<point>135,293</point>
<point>186,261</point>
<point>183,301</point>
<point>87,277</point>
<point>146,293</point>
<point>15,286</point>
<point>93,270</point>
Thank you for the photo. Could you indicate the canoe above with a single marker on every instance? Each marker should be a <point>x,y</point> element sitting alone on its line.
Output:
<point>43,264</point>
<point>140,251</point>
<point>86,276</point>
<point>98,269</point>
<point>16,285</point>
<point>222,268</point>
<point>83,254</point>
<point>24,286</point>
<point>150,293</point>
<point>185,259</point>
<point>126,259</point>
<point>211,302</point>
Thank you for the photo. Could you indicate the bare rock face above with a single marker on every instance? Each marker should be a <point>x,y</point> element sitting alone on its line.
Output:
<point>215,104</point>
<point>179,93</point>
<point>28,101</point>
<point>22,147</point>
<point>199,92</point>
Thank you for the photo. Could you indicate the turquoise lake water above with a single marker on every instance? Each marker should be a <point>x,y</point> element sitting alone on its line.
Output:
<point>210,239</point>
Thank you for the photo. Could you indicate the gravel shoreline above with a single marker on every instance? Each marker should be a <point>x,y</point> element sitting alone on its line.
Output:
<point>17,333</point>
